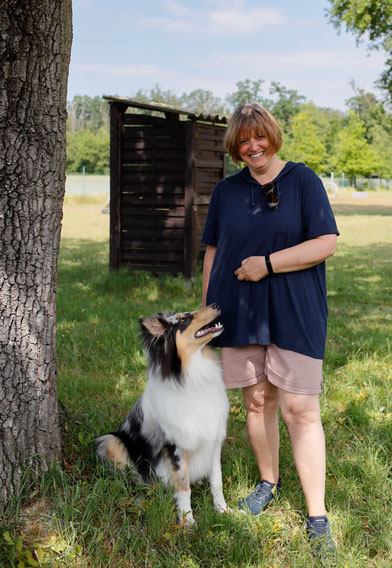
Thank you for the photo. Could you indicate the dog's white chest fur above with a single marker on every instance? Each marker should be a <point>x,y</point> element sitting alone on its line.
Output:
<point>192,414</point>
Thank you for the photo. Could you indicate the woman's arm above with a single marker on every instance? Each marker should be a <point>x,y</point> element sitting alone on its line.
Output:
<point>295,258</point>
<point>208,261</point>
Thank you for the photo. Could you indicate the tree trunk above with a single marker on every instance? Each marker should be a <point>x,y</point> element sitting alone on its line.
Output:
<point>35,46</point>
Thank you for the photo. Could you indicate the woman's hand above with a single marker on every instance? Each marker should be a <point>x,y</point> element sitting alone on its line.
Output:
<point>252,269</point>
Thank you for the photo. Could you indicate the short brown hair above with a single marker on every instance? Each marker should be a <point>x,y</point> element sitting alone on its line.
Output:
<point>251,117</point>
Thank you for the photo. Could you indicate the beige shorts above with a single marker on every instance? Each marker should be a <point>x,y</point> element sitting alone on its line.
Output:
<point>290,371</point>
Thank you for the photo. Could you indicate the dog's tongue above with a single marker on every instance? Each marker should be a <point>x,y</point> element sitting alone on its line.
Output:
<point>207,330</point>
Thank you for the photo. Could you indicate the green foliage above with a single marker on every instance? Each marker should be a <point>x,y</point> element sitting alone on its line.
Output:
<point>307,141</point>
<point>371,19</point>
<point>86,112</point>
<point>382,145</point>
<point>247,92</point>
<point>353,154</point>
<point>323,138</point>
<point>89,149</point>
<point>286,106</point>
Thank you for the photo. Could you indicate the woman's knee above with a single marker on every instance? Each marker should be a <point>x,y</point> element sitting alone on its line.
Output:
<point>300,410</point>
<point>261,399</point>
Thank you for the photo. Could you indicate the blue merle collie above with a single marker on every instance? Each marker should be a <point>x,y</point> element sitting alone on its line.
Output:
<point>176,428</point>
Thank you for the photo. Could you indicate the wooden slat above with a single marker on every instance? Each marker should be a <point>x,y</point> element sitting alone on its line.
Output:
<point>149,143</point>
<point>143,155</point>
<point>151,244</point>
<point>150,255</point>
<point>210,145</point>
<point>208,163</point>
<point>155,177</point>
<point>174,268</point>
<point>162,189</point>
<point>154,223</point>
<point>116,114</point>
<point>140,232</point>
<point>189,241</point>
<point>150,211</point>
<point>155,166</point>
<point>130,118</point>
<point>208,176</point>
<point>148,199</point>
<point>202,200</point>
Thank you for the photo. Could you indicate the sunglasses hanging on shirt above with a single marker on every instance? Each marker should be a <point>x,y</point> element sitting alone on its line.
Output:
<point>271,195</point>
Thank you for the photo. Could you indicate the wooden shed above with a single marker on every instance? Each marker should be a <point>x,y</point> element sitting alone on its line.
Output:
<point>163,168</point>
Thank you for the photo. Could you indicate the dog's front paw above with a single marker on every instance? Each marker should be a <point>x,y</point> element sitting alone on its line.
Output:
<point>222,507</point>
<point>186,520</point>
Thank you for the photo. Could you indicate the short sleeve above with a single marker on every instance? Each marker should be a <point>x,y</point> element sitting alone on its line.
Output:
<point>210,233</point>
<point>318,218</point>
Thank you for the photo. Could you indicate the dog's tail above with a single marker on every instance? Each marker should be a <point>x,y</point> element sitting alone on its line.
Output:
<point>110,448</point>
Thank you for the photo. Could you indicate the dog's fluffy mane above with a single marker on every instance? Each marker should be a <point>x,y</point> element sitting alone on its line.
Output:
<point>162,350</point>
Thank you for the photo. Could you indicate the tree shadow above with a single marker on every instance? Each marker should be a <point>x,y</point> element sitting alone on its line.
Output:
<point>348,209</point>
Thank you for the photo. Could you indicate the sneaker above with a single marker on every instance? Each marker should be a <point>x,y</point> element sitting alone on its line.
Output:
<point>259,499</point>
<point>320,538</point>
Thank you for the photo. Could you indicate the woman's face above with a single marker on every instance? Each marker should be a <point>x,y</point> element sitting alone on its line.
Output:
<point>255,150</point>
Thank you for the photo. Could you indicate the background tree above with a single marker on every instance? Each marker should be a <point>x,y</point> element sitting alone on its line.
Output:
<point>354,155</point>
<point>247,92</point>
<point>371,19</point>
<point>87,113</point>
<point>34,58</point>
<point>203,101</point>
<point>89,150</point>
<point>307,142</point>
<point>286,105</point>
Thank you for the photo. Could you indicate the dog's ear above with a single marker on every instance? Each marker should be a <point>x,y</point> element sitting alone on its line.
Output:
<point>153,326</point>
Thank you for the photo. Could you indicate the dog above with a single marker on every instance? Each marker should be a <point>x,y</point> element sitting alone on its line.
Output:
<point>176,428</point>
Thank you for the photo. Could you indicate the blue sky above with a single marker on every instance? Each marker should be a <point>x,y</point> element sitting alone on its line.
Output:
<point>121,46</point>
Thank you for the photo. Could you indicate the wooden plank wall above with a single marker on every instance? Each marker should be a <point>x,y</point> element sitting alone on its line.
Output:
<point>163,172</point>
<point>209,169</point>
<point>152,193</point>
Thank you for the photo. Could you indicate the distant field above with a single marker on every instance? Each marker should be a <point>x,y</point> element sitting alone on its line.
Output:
<point>87,185</point>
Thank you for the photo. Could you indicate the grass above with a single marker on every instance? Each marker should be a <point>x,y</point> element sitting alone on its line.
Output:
<point>78,516</point>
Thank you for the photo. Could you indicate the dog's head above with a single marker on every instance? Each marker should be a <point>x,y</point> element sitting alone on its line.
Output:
<point>171,339</point>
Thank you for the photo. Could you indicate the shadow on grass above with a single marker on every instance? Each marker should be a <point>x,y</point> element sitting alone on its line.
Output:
<point>363,209</point>
<point>102,371</point>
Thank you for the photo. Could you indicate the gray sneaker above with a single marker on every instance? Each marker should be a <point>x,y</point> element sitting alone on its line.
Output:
<point>261,496</point>
<point>320,538</point>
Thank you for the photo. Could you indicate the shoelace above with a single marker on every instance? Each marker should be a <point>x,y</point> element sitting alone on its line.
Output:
<point>262,490</point>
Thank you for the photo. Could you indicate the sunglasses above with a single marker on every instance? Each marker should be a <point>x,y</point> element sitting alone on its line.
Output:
<point>271,195</point>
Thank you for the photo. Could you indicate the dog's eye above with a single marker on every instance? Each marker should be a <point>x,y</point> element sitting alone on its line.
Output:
<point>182,320</point>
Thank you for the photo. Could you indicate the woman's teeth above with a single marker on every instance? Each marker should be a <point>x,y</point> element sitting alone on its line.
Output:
<point>257,155</point>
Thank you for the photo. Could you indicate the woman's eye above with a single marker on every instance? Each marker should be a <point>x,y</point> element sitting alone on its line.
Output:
<point>260,136</point>
<point>243,141</point>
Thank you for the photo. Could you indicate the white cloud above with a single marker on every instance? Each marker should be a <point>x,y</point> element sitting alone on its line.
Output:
<point>350,60</point>
<point>219,19</point>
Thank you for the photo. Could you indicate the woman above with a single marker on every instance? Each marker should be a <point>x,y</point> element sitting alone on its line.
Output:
<point>268,231</point>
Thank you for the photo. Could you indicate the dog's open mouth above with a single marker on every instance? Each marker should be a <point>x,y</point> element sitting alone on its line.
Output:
<point>212,327</point>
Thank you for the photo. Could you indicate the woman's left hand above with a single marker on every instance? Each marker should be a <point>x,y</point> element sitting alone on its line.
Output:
<point>252,269</point>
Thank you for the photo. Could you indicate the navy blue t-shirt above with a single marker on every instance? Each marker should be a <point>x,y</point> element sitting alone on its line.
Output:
<point>289,309</point>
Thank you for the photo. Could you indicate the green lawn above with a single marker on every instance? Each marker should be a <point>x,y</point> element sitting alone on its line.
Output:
<point>78,516</point>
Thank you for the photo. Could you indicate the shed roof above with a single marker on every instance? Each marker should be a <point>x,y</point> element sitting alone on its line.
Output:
<point>162,107</point>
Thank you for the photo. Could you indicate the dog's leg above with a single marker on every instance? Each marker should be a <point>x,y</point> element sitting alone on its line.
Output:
<point>215,479</point>
<point>180,479</point>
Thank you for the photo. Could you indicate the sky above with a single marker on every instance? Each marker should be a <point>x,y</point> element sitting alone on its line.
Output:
<point>121,46</point>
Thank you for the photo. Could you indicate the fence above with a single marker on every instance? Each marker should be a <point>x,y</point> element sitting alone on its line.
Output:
<point>362,183</point>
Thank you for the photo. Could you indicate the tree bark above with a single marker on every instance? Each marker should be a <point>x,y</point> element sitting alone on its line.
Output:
<point>35,46</point>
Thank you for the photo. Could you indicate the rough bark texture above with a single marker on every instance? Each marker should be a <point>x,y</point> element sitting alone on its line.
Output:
<point>35,45</point>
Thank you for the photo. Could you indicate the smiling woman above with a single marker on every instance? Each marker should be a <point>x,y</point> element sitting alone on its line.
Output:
<point>268,231</point>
